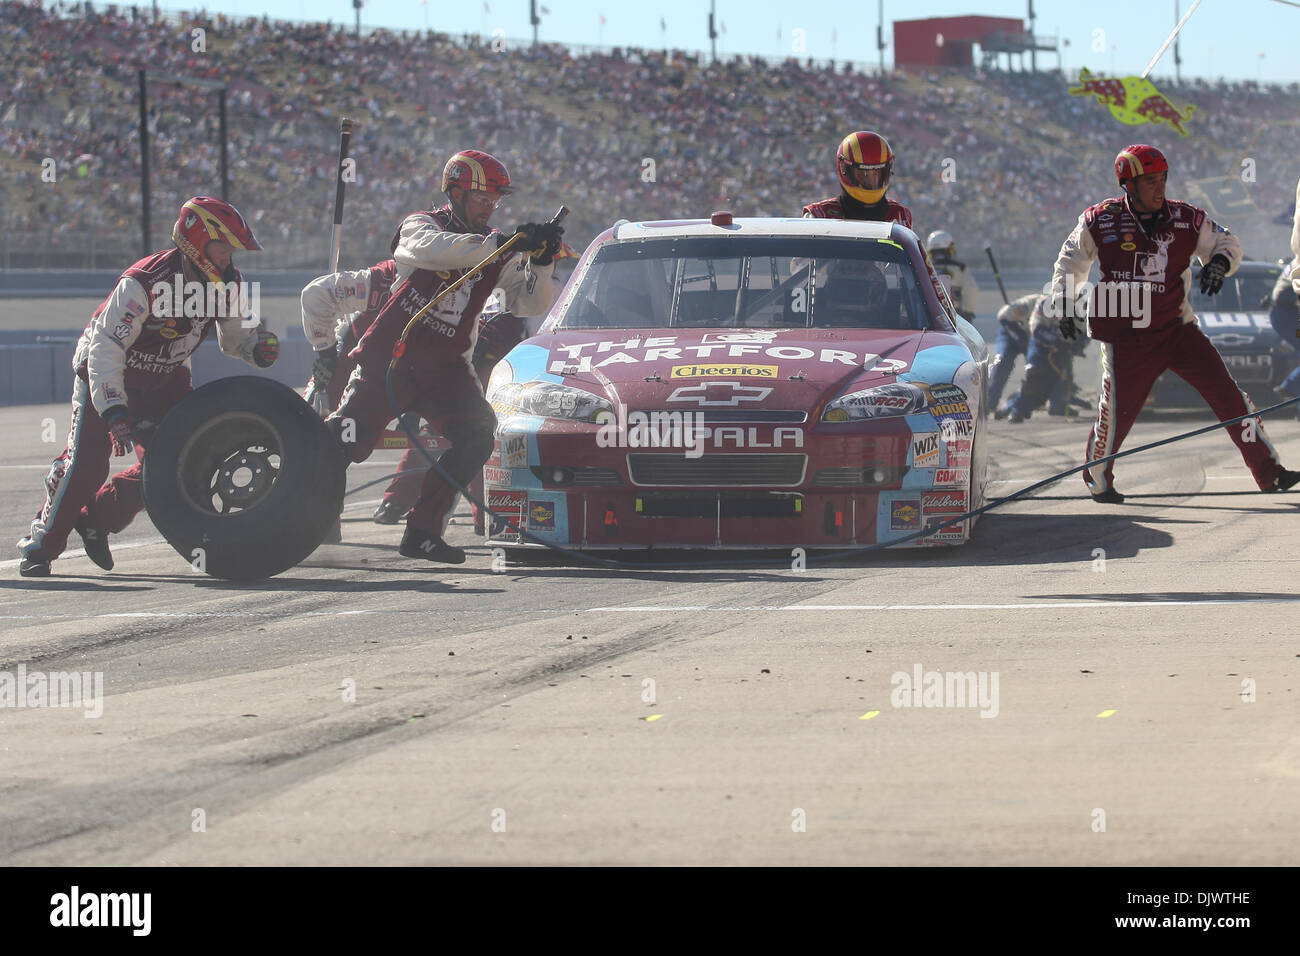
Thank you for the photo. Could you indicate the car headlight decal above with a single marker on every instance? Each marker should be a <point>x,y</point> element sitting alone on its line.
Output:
<point>881,401</point>
<point>549,400</point>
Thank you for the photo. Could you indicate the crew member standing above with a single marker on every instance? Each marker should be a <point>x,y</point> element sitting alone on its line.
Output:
<point>962,288</point>
<point>1139,312</point>
<point>864,163</point>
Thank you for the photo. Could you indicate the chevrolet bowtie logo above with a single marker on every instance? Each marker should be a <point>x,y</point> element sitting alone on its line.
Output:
<point>719,394</point>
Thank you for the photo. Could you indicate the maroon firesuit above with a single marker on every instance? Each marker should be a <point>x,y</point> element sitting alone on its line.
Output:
<point>1140,314</point>
<point>884,211</point>
<point>134,352</point>
<point>434,377</point>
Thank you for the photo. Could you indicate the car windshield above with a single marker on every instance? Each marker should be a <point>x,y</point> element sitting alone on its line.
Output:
<point>751,283</point>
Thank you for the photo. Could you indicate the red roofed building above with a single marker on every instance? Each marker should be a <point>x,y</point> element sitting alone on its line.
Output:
<point>950,41</point>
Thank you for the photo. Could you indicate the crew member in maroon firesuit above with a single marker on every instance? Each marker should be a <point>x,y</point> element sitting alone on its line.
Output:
<point>337,310</point>
<point>864,163</point>
<point>131,367</point>
<point>434,376</point>
<point>1140,314</point>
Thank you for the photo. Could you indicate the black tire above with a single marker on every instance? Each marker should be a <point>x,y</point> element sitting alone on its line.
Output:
<point>243,469</point>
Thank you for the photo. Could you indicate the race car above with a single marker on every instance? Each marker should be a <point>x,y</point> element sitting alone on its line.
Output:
<point>1236,321</point>
<point>746,383</point>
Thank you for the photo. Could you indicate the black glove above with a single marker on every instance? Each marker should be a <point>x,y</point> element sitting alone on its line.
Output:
<point>121,430</point>
<point>1213,273</point>
<point>322,370</point>
<point>267,349</point>
<point>1063,309</point>
<point>497,335</point>
<point>542,240</point>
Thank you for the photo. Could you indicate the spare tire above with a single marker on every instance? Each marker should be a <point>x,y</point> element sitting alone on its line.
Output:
<point>243,479</point>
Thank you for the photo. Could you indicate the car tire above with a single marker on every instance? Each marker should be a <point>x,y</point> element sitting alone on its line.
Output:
<point>243,479</point>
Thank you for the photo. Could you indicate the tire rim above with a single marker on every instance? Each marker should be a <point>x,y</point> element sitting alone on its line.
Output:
<point>230,463</point>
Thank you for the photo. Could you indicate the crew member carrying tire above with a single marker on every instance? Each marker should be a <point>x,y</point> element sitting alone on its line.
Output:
<point>434,376</point>
<point>131,368</point>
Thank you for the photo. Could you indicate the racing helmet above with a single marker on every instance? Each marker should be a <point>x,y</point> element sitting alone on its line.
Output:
<point>1138,160</point>
<point>940,241</point>
<point>204,219</point>
<point>864,162</point>
<point>473,169</point>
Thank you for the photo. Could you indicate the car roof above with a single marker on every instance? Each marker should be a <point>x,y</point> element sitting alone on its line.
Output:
<point>841,228</point>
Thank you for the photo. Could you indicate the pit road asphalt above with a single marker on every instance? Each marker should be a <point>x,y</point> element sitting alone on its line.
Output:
<point>523,700</point>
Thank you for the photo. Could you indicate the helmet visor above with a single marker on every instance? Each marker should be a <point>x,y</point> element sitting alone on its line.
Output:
<point>866,177</point>
<point>481,199</point>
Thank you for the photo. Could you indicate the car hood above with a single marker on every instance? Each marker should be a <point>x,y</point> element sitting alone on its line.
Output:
<point>703,369</point>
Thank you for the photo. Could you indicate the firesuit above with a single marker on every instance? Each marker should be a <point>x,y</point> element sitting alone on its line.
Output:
<point>1140,314</point>
<point>845,206</point>
<point>434,376</point>
<point>134,353</point>
<point>336,312</point>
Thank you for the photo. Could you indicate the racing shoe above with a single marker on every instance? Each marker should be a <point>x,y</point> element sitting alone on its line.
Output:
<point>34,566</point>
<point>1109,497</point>
<point>421,544</point>
<point>96,543</point>
<point>1285,480</point>
<point>389,512</point>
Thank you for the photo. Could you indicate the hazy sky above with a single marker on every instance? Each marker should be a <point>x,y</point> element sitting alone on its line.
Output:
<point>1222,38</point>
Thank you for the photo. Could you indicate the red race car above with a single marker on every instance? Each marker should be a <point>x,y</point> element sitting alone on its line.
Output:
<point>742,384</point>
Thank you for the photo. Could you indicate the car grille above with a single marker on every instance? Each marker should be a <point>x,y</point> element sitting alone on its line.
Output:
<point>873,476</point>
<point>576,477</point>
<point>719,504</point>
<point>712,415</point>
<point>725,470</point>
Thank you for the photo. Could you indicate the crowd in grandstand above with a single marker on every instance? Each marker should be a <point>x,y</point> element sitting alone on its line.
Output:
<point>992,157</point>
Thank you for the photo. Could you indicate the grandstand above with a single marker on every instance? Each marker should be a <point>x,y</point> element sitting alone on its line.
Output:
<point>1023,156</point>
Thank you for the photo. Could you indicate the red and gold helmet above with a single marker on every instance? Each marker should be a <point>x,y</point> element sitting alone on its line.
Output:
<point>1138,160</point>
<point>864,162</point>
<point>204,219</point>
<point>473,169</point>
